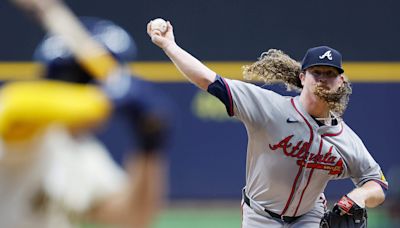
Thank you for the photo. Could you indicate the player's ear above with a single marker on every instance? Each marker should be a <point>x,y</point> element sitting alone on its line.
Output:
<point>342,78</point>
<point>302,77</point>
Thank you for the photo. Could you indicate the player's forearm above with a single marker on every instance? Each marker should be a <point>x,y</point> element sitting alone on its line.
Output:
<point>190,67</point>
<point>370,194</point>
<point>138,204</point>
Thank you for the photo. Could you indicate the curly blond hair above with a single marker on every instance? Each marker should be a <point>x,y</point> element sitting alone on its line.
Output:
<point>274,66</point>
<point>338,99</point>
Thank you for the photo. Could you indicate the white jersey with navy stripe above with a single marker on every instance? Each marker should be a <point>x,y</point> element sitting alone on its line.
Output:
<point>290,158</point>
<point>47,181</point>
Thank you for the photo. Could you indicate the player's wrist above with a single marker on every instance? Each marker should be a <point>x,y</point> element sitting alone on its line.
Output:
<point>169,47</point>
<point>357,196</point>
<point>347,205</point>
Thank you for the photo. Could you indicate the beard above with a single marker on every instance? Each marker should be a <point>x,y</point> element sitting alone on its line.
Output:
<point>338,99</point>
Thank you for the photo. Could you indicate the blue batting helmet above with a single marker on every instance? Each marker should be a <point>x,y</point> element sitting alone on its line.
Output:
<point>59,62</point>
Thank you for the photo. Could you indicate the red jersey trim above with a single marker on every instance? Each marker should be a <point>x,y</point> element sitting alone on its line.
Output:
<point>301,167</point>
<point>309,179</point>
<point>230,97</point>
<point>334,134</point>
<point>382,184</point>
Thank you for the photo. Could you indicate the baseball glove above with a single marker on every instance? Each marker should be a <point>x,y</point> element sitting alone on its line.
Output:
<point>345,214</point>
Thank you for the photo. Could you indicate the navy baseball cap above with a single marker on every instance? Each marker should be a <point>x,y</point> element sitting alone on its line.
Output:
<point>322,56</point>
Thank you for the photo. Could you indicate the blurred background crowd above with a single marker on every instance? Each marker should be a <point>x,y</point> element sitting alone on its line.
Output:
<point>98,129</point>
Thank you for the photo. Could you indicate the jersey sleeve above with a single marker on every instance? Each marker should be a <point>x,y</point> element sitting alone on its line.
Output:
<point>247,102</point>
<point>364,168</point>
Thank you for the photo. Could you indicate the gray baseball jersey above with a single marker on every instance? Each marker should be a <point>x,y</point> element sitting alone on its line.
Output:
<point>290,158</point>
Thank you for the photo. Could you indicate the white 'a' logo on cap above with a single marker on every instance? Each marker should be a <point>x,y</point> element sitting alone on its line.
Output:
<point>327,54</point>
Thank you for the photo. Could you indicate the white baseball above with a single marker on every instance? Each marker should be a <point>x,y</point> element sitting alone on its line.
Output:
<point>159,24</point>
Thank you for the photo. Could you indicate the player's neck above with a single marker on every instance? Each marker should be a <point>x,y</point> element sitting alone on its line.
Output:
<point>314,105</point>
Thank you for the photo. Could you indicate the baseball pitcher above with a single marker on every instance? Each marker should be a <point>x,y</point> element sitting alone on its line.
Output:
<point>295,144</point>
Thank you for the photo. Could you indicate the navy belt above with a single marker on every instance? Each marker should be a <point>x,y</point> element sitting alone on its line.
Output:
<point>286,219</point>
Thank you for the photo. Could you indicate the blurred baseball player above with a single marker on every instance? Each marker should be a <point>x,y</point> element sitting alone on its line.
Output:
<point>48,158</point>
<point>53,171</point>
<point>295,144</point>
